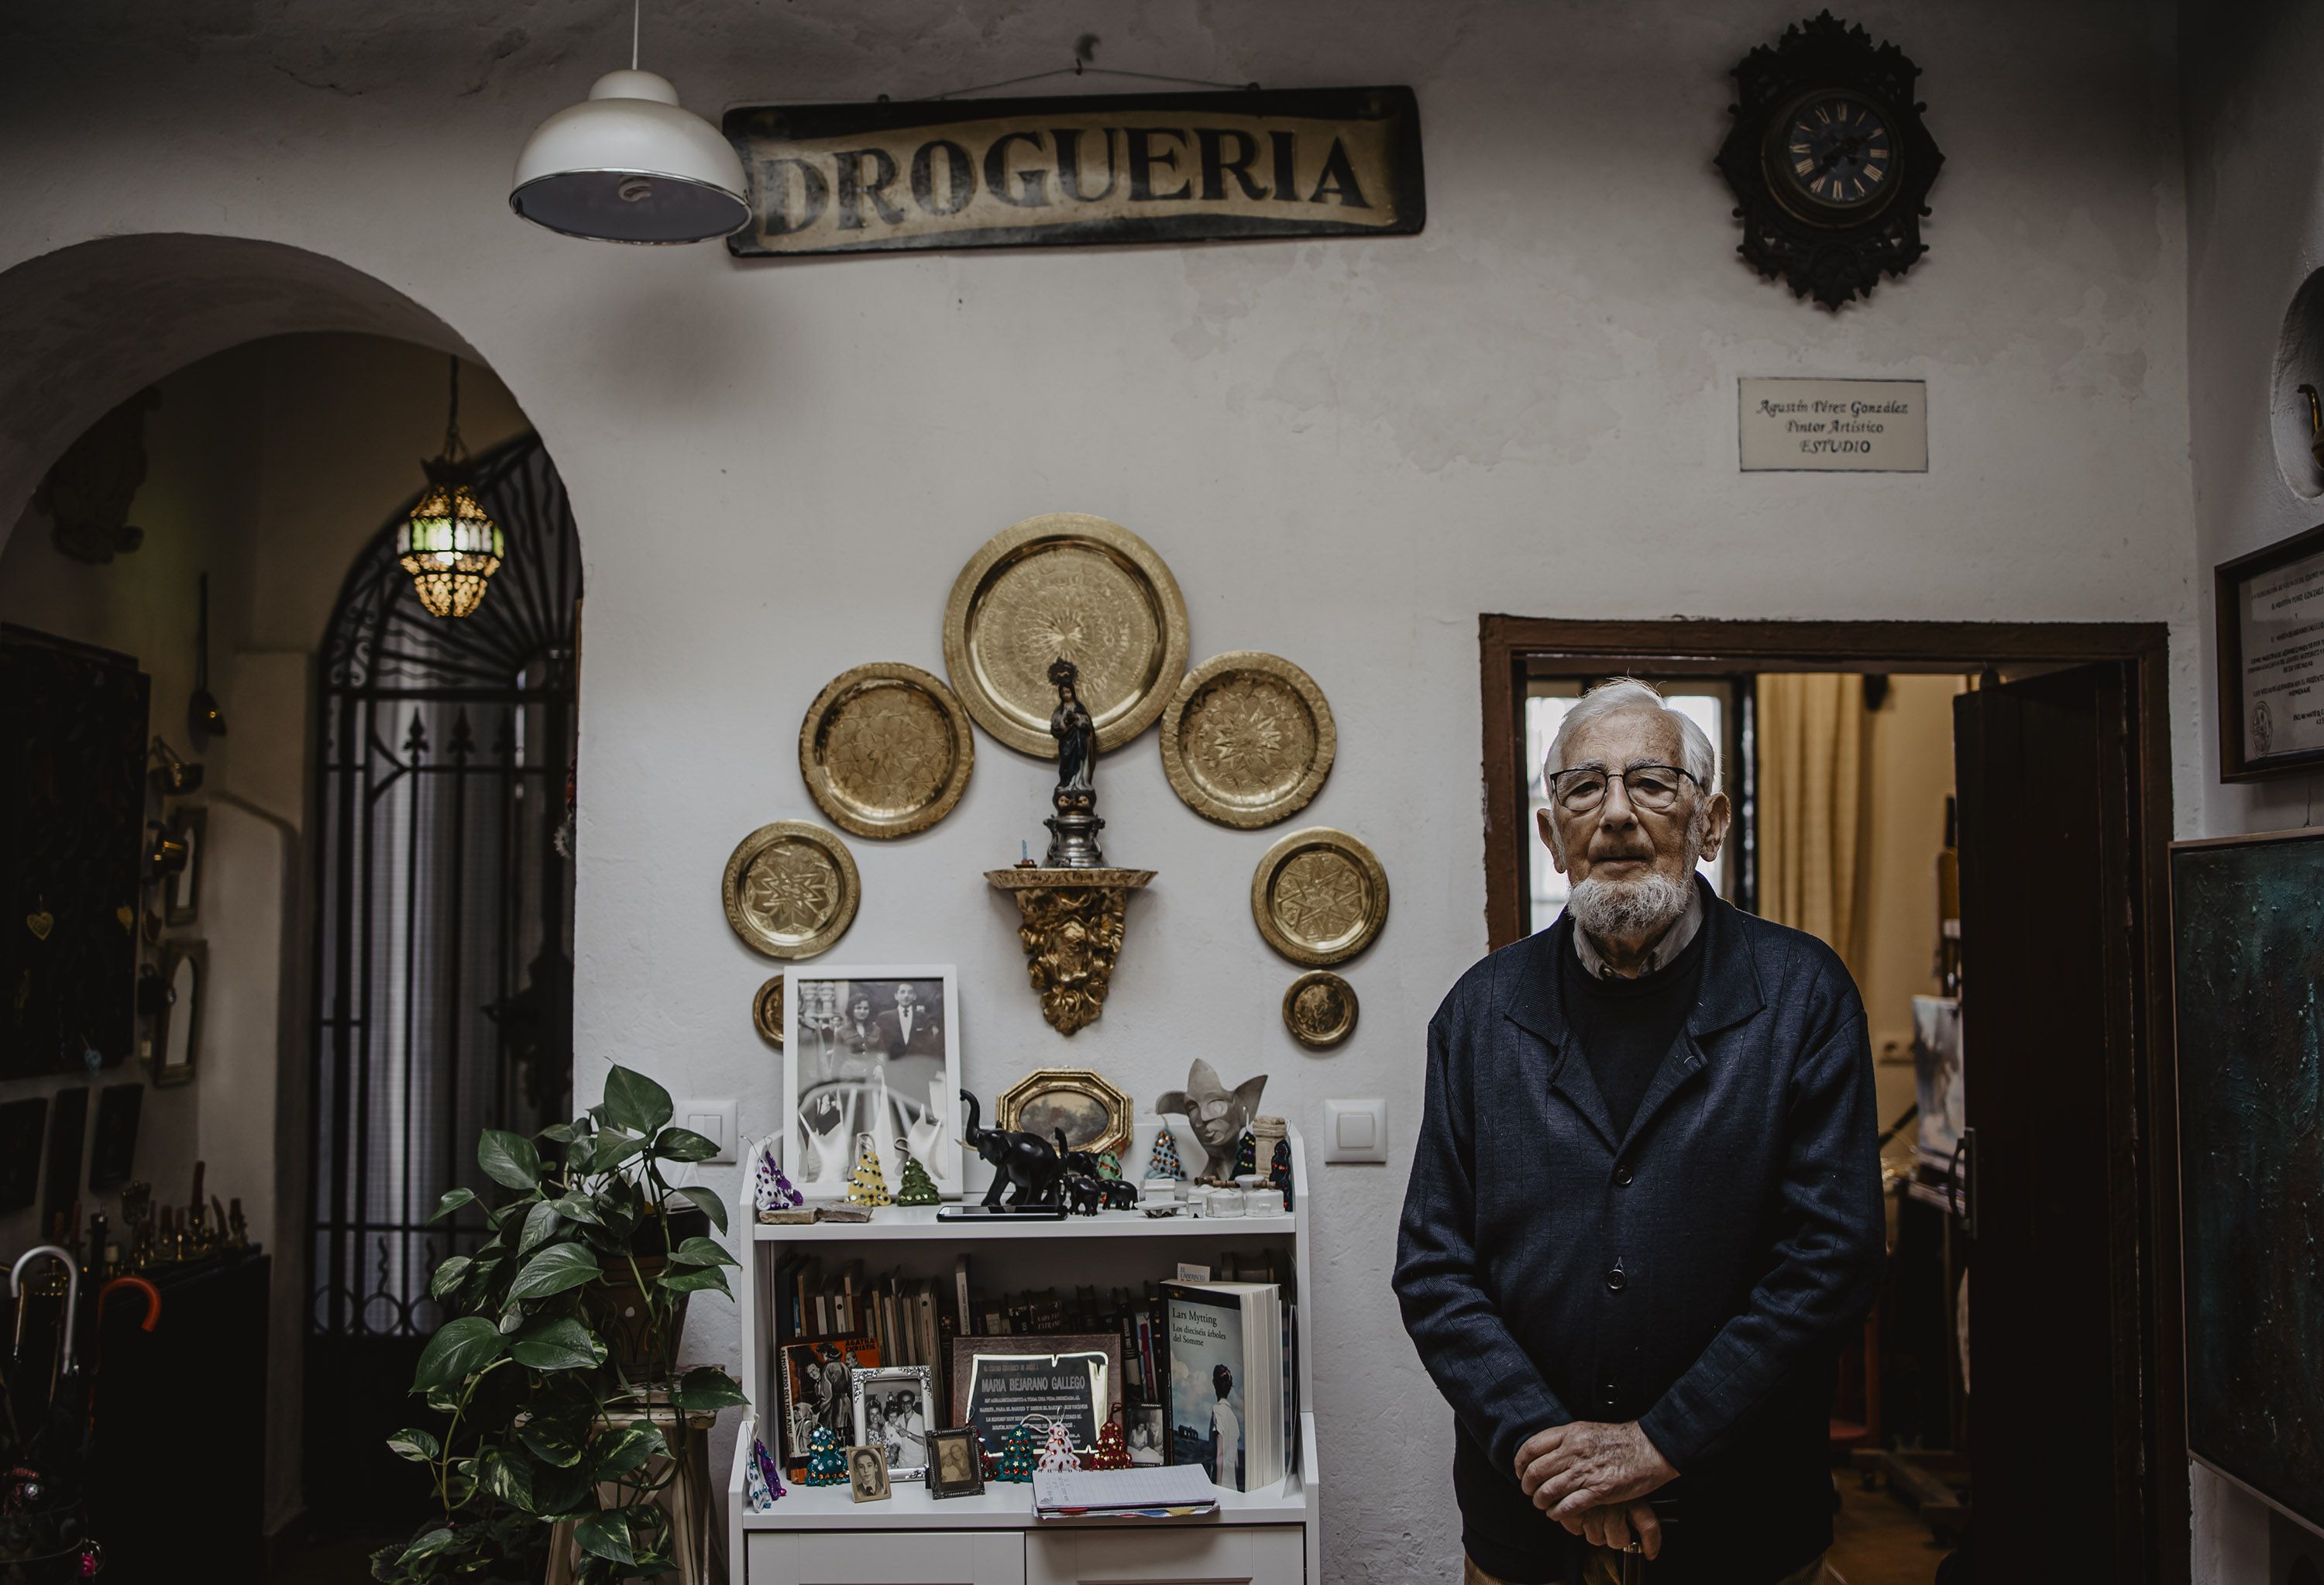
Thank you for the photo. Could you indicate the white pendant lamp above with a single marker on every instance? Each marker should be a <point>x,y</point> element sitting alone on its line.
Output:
<point>629,165</point>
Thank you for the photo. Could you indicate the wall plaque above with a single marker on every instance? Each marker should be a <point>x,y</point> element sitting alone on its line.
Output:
<point>879,178</point>
<point>2271,637</point>
<point>1834,425</point>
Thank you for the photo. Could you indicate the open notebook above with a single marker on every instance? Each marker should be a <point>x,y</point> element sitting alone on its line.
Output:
<point>1166,1486</point>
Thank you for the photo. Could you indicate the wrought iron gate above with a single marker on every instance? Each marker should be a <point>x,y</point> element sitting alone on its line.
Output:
<point>443,952</point>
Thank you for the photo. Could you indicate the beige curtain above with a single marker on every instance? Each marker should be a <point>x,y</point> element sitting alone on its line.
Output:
<point>1812,808</point>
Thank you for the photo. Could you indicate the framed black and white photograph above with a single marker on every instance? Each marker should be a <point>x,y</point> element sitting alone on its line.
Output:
<point>867,1474</point>
<point>1142,1429</point>
<point>183,891</point>
<point>895,1405</point>
<point>956,1468</point>
<point>871,1051</point>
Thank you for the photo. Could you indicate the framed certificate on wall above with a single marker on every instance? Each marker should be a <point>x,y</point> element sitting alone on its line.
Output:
<point>2271,641</point>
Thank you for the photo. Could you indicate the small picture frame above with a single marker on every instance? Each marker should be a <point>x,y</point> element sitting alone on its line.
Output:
<point>1092,1114</point>
<point>1149,1447</point>
<point>895,1405</point>
<point>183,902</point>
<point>956,1463</point>
<point>178,1026</point>
<point>2269,713</point>
<point>867,1474</point>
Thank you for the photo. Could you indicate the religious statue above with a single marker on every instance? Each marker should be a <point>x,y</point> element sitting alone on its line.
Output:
<point>1219,1115</point>
<point>1072,830</point>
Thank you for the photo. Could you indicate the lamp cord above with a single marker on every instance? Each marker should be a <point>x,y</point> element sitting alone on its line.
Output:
<point>633,34</point>
<point>453,446</point>
<point>1085,61</point>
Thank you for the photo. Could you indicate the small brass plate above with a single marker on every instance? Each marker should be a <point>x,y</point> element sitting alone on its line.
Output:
<point>1064,584</point>
<point>791,890</point>
<point>1319,896</point>
<point>886,750</point>
<point>767,1010</point>
<point>1094,1114</point>
<point>1248,738</point>
<point>1320,1009</point>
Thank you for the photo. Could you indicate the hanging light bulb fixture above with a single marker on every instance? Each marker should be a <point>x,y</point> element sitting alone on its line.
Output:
<point>628,164</point>
<point>449,544</point>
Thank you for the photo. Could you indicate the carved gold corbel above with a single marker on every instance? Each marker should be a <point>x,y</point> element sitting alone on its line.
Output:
<point>1072,935</point>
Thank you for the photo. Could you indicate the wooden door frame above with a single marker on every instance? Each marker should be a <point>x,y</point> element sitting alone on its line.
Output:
<point>1510,648</point>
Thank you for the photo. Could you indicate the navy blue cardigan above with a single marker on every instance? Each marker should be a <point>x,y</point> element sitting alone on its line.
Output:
<point>1697,1275</point>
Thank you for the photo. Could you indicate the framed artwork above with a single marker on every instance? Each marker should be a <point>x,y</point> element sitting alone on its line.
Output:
<point>1073,1380</point>
<point>895,1405</point>
<point>113,1154</point>
<point>1142,1429</point>
<point>873,1050</point>
<point>818,1391</point>
<point>2247,976</point>
<point>2270,607</point>
<point>178,1024</point>
<point>867,1474</point>
<point>954,1466</point>
<point>1093,1115</point>
<point>183,902</point>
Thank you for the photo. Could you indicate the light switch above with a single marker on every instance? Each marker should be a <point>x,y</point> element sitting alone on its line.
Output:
<point>714,1121</point>
<point>1355,1130</point>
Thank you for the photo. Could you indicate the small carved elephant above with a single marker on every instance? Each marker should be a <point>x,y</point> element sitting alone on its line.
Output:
<point>1082,1194</point>
<point>1119,1193</point>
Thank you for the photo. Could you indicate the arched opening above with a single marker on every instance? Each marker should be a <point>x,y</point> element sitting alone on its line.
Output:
<point>443,999</point>
<point>260,350</point>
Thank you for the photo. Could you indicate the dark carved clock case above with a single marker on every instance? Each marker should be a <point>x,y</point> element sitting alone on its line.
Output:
<point>1829,257</point>
<point>72,807</point>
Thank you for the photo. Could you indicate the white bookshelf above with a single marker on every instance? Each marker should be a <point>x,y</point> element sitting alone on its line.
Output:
<point>819,1535</point>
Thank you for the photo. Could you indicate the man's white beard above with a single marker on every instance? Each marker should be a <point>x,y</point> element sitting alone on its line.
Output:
<point>1618,910</point>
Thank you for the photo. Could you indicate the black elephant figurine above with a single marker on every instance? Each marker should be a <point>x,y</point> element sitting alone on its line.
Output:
<point>1026,1161</point>
<point>1082,1194</point>
<point>1120,1193</point>
<point>1076,1161</point>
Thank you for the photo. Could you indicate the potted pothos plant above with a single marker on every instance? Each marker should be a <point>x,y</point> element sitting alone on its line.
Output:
<point>541,1421</point>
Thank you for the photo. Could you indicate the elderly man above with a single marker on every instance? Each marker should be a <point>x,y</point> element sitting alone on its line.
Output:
<point>1645,1205</point>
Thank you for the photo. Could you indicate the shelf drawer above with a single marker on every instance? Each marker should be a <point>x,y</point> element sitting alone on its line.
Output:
<point>891,1557</point>
<point>1209,1554</point>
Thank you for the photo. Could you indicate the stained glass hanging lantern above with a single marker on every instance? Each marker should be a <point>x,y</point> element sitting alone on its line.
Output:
<point>450,544</point>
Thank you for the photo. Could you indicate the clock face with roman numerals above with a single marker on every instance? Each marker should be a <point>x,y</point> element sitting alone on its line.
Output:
<point>1830,156</point>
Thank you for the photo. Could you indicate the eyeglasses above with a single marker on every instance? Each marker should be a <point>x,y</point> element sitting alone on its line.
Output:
<point>1652,788</point>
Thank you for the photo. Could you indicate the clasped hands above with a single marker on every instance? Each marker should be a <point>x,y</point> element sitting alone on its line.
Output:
<point>1594,1478</point>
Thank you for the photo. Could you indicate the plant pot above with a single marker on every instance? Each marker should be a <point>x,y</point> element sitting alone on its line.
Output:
<point>617,1310</point>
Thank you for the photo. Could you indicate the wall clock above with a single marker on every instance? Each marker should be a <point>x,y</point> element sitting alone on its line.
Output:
<point>1829,161</point>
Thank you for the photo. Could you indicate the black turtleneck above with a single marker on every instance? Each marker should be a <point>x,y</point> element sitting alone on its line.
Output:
<point>1627,1026</point>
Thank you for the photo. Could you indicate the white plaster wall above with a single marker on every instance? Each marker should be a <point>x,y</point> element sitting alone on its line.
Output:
<point>2254,149</point>
<point>1345,450</point>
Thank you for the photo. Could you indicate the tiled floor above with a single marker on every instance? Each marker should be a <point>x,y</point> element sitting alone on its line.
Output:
<point>1877,1541</point>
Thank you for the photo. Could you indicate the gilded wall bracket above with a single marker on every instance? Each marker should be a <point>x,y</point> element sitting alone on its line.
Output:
<point>1072,934</point>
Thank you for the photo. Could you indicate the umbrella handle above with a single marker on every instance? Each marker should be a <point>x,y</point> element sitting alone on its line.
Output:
<point>72,1289</point>
<point>153,1299</point>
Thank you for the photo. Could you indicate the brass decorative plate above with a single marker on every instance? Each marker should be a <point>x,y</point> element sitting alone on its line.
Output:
<point>886,750</point>
<point>1320,1009</point>
<point>1064,584</point>
<point>1248,738</point>
<point>767,1010</point>
<point>1319,896</point>
<point>791,890</point>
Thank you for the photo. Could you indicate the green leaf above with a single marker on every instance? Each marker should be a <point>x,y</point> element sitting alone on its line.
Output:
<point>419,1446</point>
<point>555,1269</point>
<point>512,1317</point>
<point>606,1533</point>
<point>539,1224</point>
<point>449,1273</point>
<point>563,1344</point>
<point>705,1387</point>
<point>458,1350</point>
<point>623,1451</point>
<point>693,1279</point>
<point>578,1207</point>
<point>712,1205</point>
<point>701,1251</point>
<point>613,1147</point>
<point>509,1158</point>
<point>558,1134</point>
<point>684,1145</point>
<point>427,1545</point>
<point>452,1201</point>
<point>635,1103</point>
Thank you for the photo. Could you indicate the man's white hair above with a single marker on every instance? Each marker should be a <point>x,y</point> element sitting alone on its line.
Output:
<point>1697,758</point>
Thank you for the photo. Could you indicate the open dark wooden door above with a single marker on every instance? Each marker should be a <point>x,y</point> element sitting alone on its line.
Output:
<point>2052,988</point>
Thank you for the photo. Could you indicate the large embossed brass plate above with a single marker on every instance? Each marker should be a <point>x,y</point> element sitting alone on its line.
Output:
<point>791,890</point>
<point>1248,738</point>
<point>1070,584</point>
<point>1319,896</point>
<point>886,750</point>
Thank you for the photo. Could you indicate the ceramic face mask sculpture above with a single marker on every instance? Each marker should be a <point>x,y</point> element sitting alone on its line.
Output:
<point>1218,1114</point>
